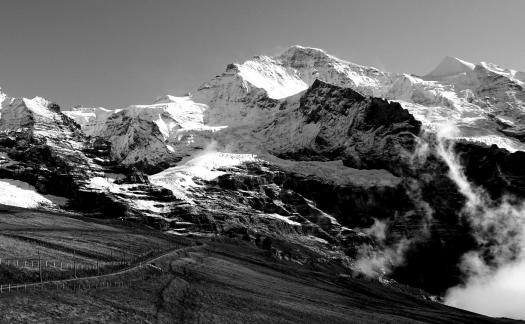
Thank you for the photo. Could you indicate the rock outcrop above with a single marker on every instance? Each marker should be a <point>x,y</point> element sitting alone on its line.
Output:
<point>331,123</point>
<point>44,148</point>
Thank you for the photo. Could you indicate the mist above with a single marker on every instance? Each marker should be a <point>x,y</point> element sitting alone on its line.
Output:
<point>380,260</point>
<point>377,261</point>
<point>495,287</point>
<point>499,293</point>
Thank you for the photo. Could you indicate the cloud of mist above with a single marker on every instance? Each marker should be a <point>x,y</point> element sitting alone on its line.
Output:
<point>495,284</point>
<point>379,260</point>
<point>498,293</point>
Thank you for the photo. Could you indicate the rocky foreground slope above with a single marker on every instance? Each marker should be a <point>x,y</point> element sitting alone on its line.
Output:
<point>366,168</point>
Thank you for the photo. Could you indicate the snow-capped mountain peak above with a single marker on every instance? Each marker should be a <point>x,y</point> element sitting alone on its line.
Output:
<point>312,63</point>
<point>250,94</point>
<point>304,50</point>
<point>451,66</point>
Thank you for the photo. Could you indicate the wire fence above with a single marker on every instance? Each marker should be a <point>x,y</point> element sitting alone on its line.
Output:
<point>57,264</point>
<point>78,284</point>
<point>83,270</point>
<point>18,273</point>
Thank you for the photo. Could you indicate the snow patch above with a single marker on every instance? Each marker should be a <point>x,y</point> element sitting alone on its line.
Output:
<point>283,218</point>
<point>21,194</point>
<point>203,166</point>
<point>267,74</point>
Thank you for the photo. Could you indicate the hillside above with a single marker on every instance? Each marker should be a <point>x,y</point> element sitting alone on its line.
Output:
<point>224,281</point>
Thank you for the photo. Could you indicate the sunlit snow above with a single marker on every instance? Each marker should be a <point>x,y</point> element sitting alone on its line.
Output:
<point>21,194</point>
<point>203,166</point>
<point>278,81</point>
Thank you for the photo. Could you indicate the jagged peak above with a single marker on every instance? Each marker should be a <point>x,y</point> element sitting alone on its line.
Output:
<point>232,67</point>
<point>509,73</point>
<point>294,70</point>
<point>40,106</point>
<point>291,53</point>
<point>164,99</point>
<point>297,53</point>
<point>319,84</point>
<point>303,50</point>
<point>450,66</point>
<point>322,84</point>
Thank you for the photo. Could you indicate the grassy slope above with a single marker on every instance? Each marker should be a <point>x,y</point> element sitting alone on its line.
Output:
<point>30,234</point>
<point>228,283</point>
<point>24,233</point>
<point>222,282</point>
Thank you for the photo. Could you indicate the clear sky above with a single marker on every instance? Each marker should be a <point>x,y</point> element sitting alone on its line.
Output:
<point>114,53</point>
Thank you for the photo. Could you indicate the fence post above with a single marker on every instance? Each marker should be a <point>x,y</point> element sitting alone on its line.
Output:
<point>75,262</point>
<point>40,267</point>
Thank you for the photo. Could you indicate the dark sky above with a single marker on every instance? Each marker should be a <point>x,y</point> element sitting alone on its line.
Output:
<point>114,53</point>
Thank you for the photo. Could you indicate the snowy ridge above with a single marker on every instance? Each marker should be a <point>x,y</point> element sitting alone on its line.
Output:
<point>313,63</point>
<point>91,119</point>
<point>513,75</point>
<point>228,108</point>
<point>142,133</point>
<point>455,91</point>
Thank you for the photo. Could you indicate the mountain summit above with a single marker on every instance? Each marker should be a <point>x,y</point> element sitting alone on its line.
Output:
<point>451,66</point>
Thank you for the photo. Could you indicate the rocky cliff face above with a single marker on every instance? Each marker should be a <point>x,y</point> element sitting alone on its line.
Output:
<point>334,123</point>
<point>44,147</point>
